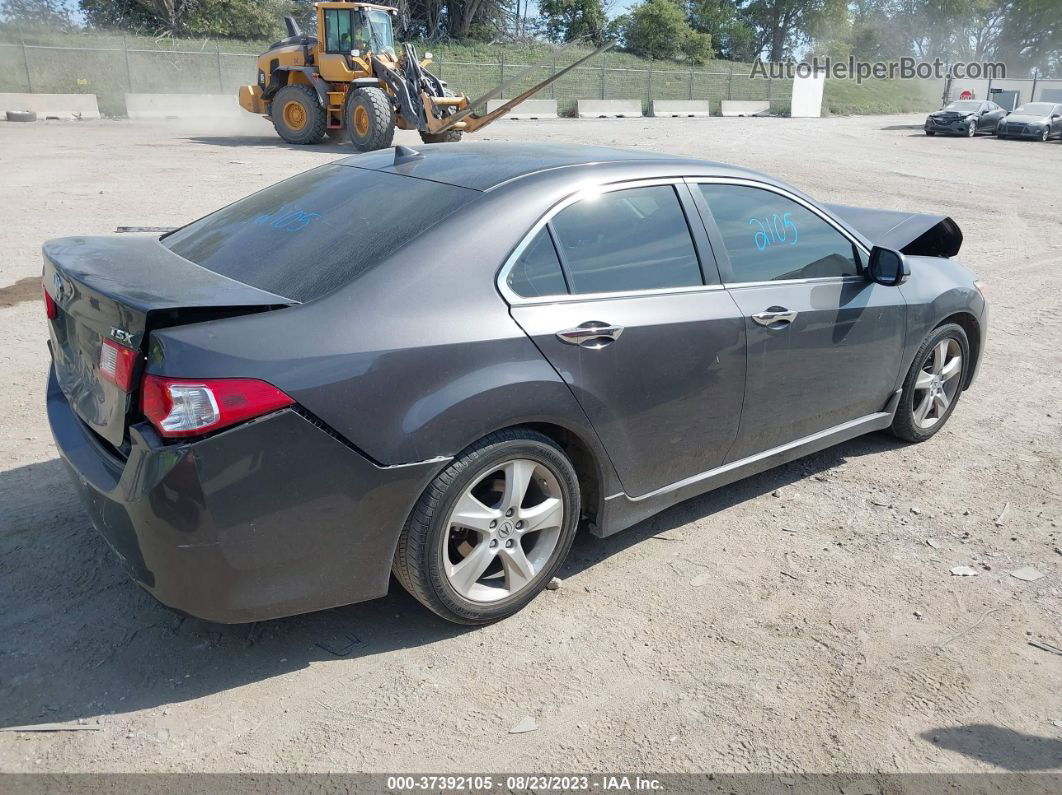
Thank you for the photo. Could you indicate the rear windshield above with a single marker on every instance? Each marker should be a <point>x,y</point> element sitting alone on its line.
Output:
<point>308,235</point>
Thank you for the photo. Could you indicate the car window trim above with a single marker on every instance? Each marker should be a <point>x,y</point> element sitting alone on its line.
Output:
<point>677,184</point>
<point>722,254</point>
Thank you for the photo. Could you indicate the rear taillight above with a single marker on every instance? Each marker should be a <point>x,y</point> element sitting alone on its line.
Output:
<point>116,364</point>
<point>190,407</point>
<point>50,306</point>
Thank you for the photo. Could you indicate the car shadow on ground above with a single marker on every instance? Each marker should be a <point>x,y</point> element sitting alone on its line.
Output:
<point>80,640</point>
<point>340,146</point>
<point>999,746</point>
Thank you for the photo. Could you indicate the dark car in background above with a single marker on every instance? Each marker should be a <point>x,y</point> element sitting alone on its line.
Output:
<point>442,363</point>
<point>965,117</point>
<point>1039,121</point>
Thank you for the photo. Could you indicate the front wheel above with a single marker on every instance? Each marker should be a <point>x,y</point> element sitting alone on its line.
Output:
<point>971,129</point>
<point>448,137</point>
<point>1045,135</point>
<point>930,133</point>
<point>491,529</point>
<point>933,384</point>
<point>370,118</point>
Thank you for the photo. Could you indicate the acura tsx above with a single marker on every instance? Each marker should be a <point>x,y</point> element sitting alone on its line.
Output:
<point>442,363</point>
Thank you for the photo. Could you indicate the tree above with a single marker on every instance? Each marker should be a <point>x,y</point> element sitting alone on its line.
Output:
<point>779,25</point>
<point>51,14</point>
<point>238,19</point>
<point>658,29</point>
<point>568,20</point>
<point>732,36</point>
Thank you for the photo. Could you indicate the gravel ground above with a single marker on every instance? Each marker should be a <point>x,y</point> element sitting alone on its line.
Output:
<point>800,620</point>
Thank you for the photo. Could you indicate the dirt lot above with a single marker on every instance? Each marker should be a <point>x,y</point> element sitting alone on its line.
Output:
<point>797,621</point>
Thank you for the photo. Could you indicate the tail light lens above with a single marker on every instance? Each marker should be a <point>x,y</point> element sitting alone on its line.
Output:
<point>116,364</point>
<point>190,407</point>
<point>50,307</point>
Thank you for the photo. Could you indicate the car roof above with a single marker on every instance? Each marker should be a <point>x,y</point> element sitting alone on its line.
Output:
<point>486,165</point>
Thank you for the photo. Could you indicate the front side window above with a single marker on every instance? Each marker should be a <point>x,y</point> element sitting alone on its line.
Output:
<point>630,239</point>
<point>769,237</point>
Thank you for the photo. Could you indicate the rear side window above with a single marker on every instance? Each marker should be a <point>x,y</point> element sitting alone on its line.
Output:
<point>308,235</point>
<point>630,239</point>
<point>537,272</point>
<point>769,237</point>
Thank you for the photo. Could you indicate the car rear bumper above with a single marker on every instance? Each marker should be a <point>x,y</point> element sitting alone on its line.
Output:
<point>272,518</point>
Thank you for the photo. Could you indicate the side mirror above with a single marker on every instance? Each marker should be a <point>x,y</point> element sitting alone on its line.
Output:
<point>887,267</point>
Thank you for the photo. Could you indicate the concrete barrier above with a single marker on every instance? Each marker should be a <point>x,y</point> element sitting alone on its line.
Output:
<point>49,106</point>
<point>182,106</point>
<point>528,109</point>
<point>681,107</point>
<point>746,107</point>
<point>609,108</point>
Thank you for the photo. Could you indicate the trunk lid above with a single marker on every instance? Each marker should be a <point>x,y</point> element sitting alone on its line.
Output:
<point>120,289</point>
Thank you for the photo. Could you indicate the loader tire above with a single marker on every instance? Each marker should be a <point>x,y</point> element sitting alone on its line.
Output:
<point>298,116</point>
<point>370,118</point>
<point>448,137</point>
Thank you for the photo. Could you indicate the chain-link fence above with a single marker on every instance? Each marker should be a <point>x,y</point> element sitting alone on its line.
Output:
<point>110,68</point>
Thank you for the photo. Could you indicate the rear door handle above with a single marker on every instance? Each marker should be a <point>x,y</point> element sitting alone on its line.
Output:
<point>775,316</point>
<point>591,334</point>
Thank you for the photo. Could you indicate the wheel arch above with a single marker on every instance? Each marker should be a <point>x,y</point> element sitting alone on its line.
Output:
<point>586,457</point>
<point>972,328</point>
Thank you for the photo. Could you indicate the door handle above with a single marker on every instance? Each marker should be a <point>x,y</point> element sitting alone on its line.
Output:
<point>591,334</point>
<point>775,316</point>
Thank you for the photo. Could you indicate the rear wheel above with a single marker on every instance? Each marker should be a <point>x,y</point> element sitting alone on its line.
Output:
<point>297,115</point>
<point>933,384</point>
<point>492,528</point>
<point>370,119</point>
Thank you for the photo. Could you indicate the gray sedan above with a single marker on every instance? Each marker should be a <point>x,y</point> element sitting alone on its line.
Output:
<point>443,363</point>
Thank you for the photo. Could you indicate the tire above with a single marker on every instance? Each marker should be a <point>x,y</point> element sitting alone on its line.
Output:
<point>370,119</point>
<point>448,137</point>
<point>930,133</point>
<point>1045,135</point>
<point>298,116</point>
<point>432,543</point>
<point>906,424</point>
<point>971,129</point>
<point>21,115</point>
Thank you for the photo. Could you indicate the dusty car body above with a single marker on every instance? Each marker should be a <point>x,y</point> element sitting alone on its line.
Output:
<point>1039,121</point>
<point>270,409</point>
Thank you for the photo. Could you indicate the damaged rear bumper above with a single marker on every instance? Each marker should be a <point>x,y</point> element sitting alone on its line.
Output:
<point>272,518</point>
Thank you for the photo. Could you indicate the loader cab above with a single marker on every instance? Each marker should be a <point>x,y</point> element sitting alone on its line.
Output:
<point>351,32</point>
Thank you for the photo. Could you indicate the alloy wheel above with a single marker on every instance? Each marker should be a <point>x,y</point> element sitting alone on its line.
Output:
<point>503,530</point>
<point>938,383</point>
<point>971,131</point>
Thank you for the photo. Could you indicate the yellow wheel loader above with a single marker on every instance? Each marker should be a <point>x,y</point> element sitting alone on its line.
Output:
<point>350,80</point>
